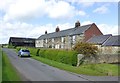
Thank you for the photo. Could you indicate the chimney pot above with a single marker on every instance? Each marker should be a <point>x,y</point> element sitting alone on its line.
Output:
<point>77,24</point>
<point>46,32</point>
<point>57,29</point>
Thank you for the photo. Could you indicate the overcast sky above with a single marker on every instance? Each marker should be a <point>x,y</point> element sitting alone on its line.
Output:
<point>30,18</point>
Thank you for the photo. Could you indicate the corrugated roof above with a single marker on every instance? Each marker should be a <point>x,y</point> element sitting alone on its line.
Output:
<point>99,39</point>
<point>63,33</point>
<point>113,41</point>
<point>19,39</point>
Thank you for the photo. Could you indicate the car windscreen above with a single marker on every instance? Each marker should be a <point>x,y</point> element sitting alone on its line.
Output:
<point>25,50</point>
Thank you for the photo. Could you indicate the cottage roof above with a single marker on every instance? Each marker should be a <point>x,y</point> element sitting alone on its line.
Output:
<point>112,41</point>
<point>70,32</point>
<point>99,39</point>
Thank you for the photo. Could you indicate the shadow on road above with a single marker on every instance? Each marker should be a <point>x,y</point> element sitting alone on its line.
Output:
<point>25,56</point>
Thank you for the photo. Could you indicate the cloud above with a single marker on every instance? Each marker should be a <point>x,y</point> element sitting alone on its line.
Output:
<point>20,29</point>
<point>28,9</point>
<point>79,1</point>
<point>101,10</point>
<point>108,29</point>
<point>86,22</point>
<point>20,10</point>
<point>65,26</point>
<point>104,28</point>
<point>60,9</point>
<point>82,13</point>
<point>24,9</point>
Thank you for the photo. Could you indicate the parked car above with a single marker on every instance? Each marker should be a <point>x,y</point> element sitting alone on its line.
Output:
<point>24,52</point>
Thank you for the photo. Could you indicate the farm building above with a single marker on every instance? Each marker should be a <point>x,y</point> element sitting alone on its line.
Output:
<point>107,44</point>
<point>18,41</point>
<point>111,45</point>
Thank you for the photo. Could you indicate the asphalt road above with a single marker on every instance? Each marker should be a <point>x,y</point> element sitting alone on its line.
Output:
<point>33,70</point>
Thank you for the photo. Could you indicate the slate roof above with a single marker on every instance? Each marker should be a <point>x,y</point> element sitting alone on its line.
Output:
<point>112,41</point>
<point>99,39</point>
<point>70,32</point>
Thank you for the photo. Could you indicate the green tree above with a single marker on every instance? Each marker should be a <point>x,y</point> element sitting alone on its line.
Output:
<point>86,49</point>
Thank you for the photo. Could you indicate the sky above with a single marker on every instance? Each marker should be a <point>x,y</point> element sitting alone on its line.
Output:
<point>31,18</point>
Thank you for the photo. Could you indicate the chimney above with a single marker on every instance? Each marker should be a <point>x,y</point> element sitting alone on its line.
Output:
<point>57,29</point>
<point>77,24</point>
<point>46,32</point>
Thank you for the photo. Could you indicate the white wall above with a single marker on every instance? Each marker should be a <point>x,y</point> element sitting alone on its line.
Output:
<point>39,43</point>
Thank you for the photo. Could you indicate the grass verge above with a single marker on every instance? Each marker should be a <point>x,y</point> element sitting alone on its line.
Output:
<point>8,71</point>
<point>0,64</point>
<point>90,69</point>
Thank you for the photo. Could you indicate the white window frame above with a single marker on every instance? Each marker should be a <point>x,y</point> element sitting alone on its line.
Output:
<point>62,39</point>
<point>52,39</point>
<point>46,40</point>
<point>73,38</point>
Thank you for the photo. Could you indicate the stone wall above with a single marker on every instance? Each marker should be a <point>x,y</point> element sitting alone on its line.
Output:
<point>105,58</point>
<point>110,49</point>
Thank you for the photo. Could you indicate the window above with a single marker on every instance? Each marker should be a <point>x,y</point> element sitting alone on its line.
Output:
<point>53,46</point>
<point>46,41</point>
<point>62,39</point>
<point>57,46</point>
<point>73,39</point>
<point>62,46</point>
<point>37,41</point>
<point>52,39</point>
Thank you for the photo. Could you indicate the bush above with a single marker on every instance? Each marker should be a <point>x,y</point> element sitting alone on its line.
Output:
<point>86,49</point>
<point>118,52</point>
<point>18,48</point>
<point>37,54</point>
<point>33,51</point>
<point>11,46</point>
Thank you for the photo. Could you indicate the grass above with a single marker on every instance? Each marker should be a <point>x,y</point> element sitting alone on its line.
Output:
<point>90,69</point>
<point>9,73</point>
<point>0,64</point>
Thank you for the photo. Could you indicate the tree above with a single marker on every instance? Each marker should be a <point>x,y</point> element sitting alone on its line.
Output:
<point>86,49</point>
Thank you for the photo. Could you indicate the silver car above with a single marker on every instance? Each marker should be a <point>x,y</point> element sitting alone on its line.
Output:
<point>24,53</point>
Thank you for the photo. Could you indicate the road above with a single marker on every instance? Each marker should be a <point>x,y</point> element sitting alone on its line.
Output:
<point>33,70</point>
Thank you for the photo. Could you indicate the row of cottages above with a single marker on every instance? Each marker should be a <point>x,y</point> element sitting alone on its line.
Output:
<point>66,39</point>
<point>107,44</point>
<point>20,41</point>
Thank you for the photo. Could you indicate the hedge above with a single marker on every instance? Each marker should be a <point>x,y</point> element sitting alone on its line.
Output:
<point>64,56</point>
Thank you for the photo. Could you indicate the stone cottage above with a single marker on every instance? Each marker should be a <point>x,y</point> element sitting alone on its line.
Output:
<point>66,39</point>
